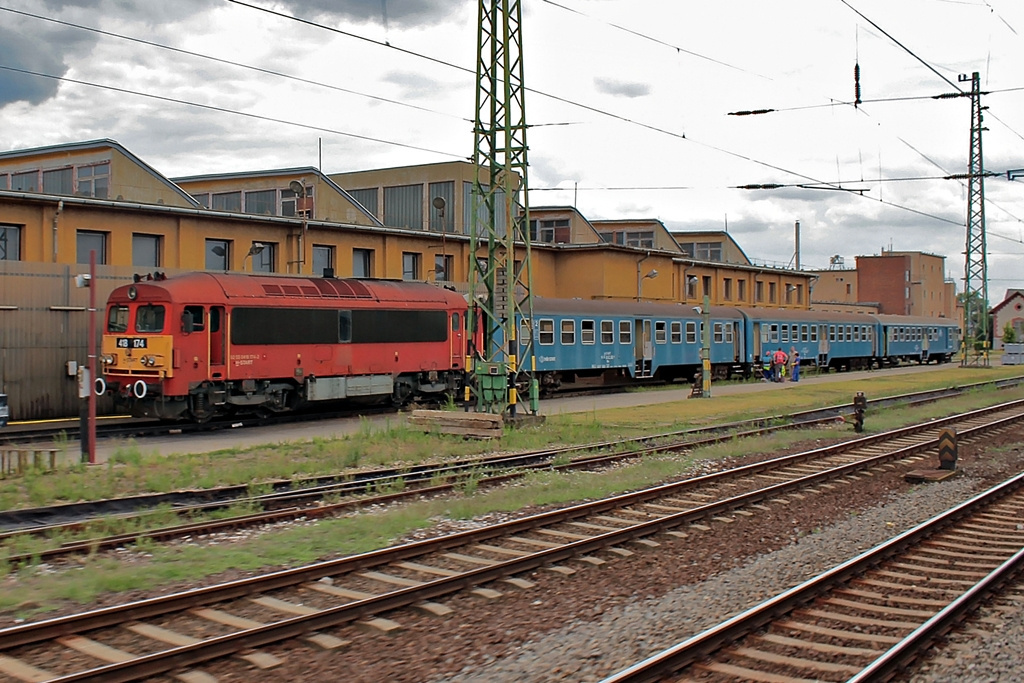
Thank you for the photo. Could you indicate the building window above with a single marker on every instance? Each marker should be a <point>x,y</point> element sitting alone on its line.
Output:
<point>789,293</point>
<point>203,198</point>
<point>758,291</point>
<point>677,333</point>
<point>410,265</point>
<point>145,250</point>
<point>706,285</point>
<point>227,201</point>
<point>91,241</point>
<point>799,294</point>
<point>568,332</point>
<point>727,289</point>
<point>741,290</point>
<point>10,242</point>
<point>443,219</point>
<point>4,181</point>
<point>362,263</point>
<point>368,198</point>
<point>849,290</point>
<point>403,206</point>
<point>263,202</point>
<point>771,292</point>
<point>607,332</point>
<point>691,287</point>
<point>94,181</point>
<point>587,331</point>
<point>553,231</point>
<point>300,206</point>
<point>702,251</point>
<point>444,266</point>
<point>218,254</point>
<point>323,259</point>
<point>264,260</point>
<point>57,181</point>
<point>27,181</point>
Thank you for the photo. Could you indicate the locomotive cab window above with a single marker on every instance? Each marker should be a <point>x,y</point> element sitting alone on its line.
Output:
<point>345,327</point>
<point>193,319</point>
<point>455,322</point>
<point>149,318</point>
<point>117,320</point>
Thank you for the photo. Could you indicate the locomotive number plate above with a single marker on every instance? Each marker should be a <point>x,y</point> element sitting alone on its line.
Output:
<point>131,342</point>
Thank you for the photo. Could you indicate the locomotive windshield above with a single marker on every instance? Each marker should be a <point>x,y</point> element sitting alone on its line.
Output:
<point>149,318</point>
<point>117,321</point>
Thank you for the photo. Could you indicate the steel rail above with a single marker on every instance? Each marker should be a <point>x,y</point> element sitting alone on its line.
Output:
<point>687,652</point>
<point>175,657</point>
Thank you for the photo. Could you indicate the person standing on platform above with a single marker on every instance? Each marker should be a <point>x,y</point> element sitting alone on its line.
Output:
<point>795,373</point>
<point>779,359</point>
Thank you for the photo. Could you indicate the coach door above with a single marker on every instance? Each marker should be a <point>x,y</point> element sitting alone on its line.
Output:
<point>824,347</point>
<point>457,346</point>
<point>643,348</point>
<point>756,338</point>
<point>216,342</point>
<point>926,333</point>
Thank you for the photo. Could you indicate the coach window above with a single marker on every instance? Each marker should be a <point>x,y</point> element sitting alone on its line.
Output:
<point>625,332</point>
<point>587,332</point>
<point>568,328</point>
<point>849,333</point>
<point>547,332</point>
<point>149,318</point>
<point>607,332</point>
<point>198,319</point>
<point>525,331</point>
<point>677,333</point>
<point>660,329</point>
<point>856,333</point>
<point>728,334</point>
<point>831,332</point>
<point>803,333</point>
<point>814,333</point>
<point>719,334</point>
<point>785,334</point>
<point>691,333</point>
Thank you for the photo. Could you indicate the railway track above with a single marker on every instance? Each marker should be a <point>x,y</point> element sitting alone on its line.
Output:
<point>126,427</point>
<point>307,498</point>
<point>185,629</point>
<point>867,618</point>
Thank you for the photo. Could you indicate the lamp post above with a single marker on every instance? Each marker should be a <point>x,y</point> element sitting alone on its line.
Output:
<point>256,248</point>
<point>87,387</point>
<point>705,351</point>
<point>439,204</point>
<point>640,281</point>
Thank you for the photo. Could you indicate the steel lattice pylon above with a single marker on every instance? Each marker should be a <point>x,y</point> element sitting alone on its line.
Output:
<point>976,261</point>
<point>500,284</point>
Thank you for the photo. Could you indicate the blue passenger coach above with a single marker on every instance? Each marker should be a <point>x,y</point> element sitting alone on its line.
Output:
<point>828,340</point>
<point>917,339</point>
<point>586,342</point>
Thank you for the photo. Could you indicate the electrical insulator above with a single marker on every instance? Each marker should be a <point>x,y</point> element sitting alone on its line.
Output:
<point>856,84</point>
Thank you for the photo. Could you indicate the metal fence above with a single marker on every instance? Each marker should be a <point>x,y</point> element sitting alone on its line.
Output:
<point>44,325</point>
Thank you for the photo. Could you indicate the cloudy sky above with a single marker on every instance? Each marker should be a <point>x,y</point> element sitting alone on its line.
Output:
<point>629,105</point>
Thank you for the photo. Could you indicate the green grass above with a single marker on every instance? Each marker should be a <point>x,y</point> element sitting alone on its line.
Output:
<point>137,470</point>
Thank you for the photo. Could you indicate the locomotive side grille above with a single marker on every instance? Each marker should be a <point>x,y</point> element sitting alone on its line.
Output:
<point>346,289</point>
<point>272,290</point>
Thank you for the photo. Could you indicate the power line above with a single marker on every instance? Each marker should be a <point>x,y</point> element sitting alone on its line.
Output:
<point>225,110</point>
<point>240,65</point>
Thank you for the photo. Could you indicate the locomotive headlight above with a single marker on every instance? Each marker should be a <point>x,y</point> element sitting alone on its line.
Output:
<point>109,359</point>
<point>132,293</point>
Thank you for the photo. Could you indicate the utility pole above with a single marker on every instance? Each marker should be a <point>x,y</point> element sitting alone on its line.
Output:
<point>504,358</point>
<point>976,262</point>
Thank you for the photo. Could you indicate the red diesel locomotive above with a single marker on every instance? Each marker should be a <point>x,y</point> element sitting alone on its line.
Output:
<point>206,344</point>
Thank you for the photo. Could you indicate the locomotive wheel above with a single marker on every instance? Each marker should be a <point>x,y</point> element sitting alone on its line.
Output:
<point>402,393</point>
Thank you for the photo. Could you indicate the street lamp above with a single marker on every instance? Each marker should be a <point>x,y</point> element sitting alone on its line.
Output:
<point>705,346</point>
<point>256,248</point>
<point>640,281</point>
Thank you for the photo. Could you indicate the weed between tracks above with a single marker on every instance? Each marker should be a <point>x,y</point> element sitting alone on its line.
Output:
<point>35,587</point>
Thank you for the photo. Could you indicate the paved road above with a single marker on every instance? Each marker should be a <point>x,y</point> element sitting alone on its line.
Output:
<point>257,436</point>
